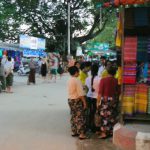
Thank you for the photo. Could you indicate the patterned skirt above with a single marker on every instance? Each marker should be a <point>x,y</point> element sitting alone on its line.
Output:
<point>107,112</point>
<point>78,118</point>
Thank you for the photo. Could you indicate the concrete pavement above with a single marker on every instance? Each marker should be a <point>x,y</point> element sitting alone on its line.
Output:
<point>36,117</point>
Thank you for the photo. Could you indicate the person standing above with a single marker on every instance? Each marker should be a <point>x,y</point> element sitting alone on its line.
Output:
<point>105,71</point>
<point>54,67</point>
<point>39,65</point>
<point>44,69</point>
<point>77,64</point>
<point>2,77</point>
<point>60,69</point>
<point>92,83</point>
<point>77,104</point>
<point>31,77</point>
<point>107,101</point>
<point>9,75</point>
<point>102,66</point>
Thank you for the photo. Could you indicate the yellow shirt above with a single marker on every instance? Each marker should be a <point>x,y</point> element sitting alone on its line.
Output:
<point>104,73</point>
<point>119,75</point>
<point>82,77</point>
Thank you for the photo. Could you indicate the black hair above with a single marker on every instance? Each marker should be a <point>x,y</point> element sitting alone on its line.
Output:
<point>112,70</point>
<point>82,66</point>
<point>72,70</point>
<point>0,61</point>
<point>108,61</point>
<point>9,58</point>
<point>103,57</point>
<point>88,64</point>
<point>76,62</point>
<point>94,72</point>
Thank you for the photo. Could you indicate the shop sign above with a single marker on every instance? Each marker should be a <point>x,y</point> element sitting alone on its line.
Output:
<point>33,53</point>
<point>30,42</point>
<point>96,46</point>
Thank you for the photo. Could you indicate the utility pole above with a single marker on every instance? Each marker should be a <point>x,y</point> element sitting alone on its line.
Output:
<point>68,27</point>
<point>100,17</point>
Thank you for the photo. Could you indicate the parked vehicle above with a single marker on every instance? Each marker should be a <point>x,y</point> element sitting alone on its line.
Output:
<point>23,70</point>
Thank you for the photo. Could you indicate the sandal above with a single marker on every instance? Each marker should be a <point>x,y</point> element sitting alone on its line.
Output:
<point>83,137</point>
<point>73,134</point>
<point>102,137</point>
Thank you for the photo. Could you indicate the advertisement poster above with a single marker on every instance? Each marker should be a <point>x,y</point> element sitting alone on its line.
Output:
<point>30,42</point>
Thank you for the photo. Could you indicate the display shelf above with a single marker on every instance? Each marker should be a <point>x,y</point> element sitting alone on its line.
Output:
<point>137,117</point>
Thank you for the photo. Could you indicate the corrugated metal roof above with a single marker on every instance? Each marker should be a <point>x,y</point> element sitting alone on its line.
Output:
<point>10,46</point>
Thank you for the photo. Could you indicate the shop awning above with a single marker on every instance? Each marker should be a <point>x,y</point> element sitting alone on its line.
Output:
<point>9,46</point>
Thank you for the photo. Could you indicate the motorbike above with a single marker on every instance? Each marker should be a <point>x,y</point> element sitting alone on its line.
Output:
<point>23,70</point>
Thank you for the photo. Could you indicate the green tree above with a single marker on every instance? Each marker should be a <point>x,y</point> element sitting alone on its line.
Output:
<point>48,19</point>
<point>109,33</point>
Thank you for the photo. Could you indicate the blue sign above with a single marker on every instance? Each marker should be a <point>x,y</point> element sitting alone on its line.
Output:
<point>30,42</point>
<point>33,53</point>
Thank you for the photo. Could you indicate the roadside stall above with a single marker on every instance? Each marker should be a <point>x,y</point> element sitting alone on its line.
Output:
<point>136,63</point>
<point>133,40</point>
<point>133,37</point>
<point>13,51</point>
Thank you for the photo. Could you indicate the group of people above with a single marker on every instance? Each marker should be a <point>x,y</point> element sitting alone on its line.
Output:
<point>93,94</point>
<point>6,74</point>
<point>47,66</point>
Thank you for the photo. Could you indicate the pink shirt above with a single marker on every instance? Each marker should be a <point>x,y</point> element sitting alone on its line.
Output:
<point>75,88</point>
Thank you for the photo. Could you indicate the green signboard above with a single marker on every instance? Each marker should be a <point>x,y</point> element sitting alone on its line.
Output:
<point>98,5</point>
<point>97,46</point>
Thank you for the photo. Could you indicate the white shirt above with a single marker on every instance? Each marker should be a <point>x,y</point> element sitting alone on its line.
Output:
<point>8,67</point>
<point>100,70</point>
<point>4,60</point>
<point>96,82</point>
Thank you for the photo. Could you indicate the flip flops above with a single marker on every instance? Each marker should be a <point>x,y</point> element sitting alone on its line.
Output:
<point>84,137</point>
<point>74,135</point>
<point>102,137</point>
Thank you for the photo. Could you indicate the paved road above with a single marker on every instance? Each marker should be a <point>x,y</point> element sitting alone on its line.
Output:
<point>36,117</point>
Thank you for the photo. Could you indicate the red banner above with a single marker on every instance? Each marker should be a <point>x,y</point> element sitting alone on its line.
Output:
<point>129,2</point>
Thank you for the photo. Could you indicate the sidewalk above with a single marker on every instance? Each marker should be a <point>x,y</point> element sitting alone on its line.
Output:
<point>36,117</point>
<point>132,136</point>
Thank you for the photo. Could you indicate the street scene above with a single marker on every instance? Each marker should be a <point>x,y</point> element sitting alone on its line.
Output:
<point>36,117</point>
<point>75,75</point>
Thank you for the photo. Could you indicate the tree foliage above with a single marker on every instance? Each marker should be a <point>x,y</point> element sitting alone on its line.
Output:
<point>48,19</point>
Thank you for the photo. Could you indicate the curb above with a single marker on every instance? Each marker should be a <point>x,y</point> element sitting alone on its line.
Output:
<point>126,139</point>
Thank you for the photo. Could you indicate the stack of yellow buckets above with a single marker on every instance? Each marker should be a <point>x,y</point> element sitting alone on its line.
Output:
<point>128,99</point>
<point>141,98</point>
